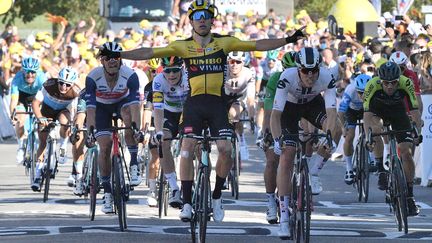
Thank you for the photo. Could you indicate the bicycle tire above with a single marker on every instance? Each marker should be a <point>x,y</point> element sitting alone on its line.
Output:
<point>304,202</point>
<point>32,159</point>
<point>293,205</point>
<point>165,198</point>
<point>118,193</point>
<point>94,183</point>
<point>195,205</point>
<point>358,171</point>
<point>364,160</point>
<point>401,196</point>
<point>203,204</point>
<point>47,173</point>
<point>161,188</point>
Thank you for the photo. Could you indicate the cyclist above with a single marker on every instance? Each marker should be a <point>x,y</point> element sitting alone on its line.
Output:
<point>205,56</point>
<point>240,87</point>
<point>298,95</point>
<point>350,111</point>
<point>113,88</point>
<point>272,160</point>
<point>385,93</point>
<point>53,102</point>
<point>170,90</point>
<point>24,87</point>
<point>269,66</point>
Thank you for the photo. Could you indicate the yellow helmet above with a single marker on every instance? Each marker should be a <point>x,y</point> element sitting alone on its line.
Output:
<point>144,24</point>
<point>37,46</point>
<point>200,5</point>
<point>129,44</point>
<point>154,63</point>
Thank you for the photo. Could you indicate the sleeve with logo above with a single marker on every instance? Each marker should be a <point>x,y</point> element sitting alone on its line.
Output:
<point>158,92</point>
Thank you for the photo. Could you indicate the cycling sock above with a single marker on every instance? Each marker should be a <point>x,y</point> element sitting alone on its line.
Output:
<point>172,180</point>
<point>133,151</point>
<point>319,162</point>
<point>379,163</point>
<point>152,185</point>
<point>284,208</point>
<point>20,143</point>
<point>106,183</point>
<point>410,189</point>
<point>63,143</point>
<point>372,157</point>
<point>217,192</point>
<point>39,167</point>
<point>270,197</point>
<point>386,150</point>
<point>78,168</point>
<point>187,191</point>
<point>348,163</point>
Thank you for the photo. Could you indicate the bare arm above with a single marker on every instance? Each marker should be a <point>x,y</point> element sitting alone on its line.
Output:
<point>158,119</point>
<point>275,124</point>
<point>416,117</point>
<point>270,44</point>
<point>136,114</point>
<point>143,53</point>
<point>36,108</point>
<point>91,114</point>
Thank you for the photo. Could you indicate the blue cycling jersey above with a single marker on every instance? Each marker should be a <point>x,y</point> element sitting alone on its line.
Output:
<point>350,99</point>
<point>19,83</point>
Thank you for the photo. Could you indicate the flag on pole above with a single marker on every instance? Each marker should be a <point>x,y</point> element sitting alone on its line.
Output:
<point>403,6</point>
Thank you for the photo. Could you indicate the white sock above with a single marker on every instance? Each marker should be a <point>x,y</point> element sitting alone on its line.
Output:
<point>386,151</point>
<point>39,167</point>
<point>284,208</point>
<point>348,163</point>
<point>152,185</point>
<point>20,143</point>
<point>270,196</point>
<point>372,157</point>
<point>78,168</point>
<point>319,162</point>
<point>63,143</point>
<point>172,180</point>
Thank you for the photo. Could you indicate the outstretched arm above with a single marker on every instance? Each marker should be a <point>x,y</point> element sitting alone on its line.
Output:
<point>271,44</point>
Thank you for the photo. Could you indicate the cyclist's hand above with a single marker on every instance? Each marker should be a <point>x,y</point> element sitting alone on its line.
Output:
<point>298,34</point>
<point>139,136</point>
<point>90,140</point>
<point>370,146</point>
<point>146,138</point>
<point>43,122</point>
<point>277,148</point>
<point>157,138</point>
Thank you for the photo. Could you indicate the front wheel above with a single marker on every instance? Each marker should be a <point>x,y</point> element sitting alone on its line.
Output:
<point>119,199</point>
<point>93,185</point>
<point>48,171</point>
<point>401,197</point>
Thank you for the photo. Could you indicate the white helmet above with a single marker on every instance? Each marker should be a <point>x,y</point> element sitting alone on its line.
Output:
<point>398,57</point>
<point>237,55</point>
<point>308,57</point>
<point>68,75</point>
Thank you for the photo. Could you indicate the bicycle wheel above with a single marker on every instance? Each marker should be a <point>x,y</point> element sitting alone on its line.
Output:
<point>364,161</point>
<point>93,185</point>
<point>161,188</point>
<point>203,210</point>
<point>401,197</point>
<point>293,205</point>
<point>165,198</point>
<point>48,172</point>
<point>304,205</point>
<point>31,157</point>
<point>358,168</point>
<point>118,192</point>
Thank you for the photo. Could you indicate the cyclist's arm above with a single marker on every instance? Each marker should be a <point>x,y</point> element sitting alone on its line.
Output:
<point>134,99</point>
<point>278,107</point>
<point>37,103</point>
<point>90,98</point>
<point>408,87</point>
<point>250,95</point>
<point>158,104</point>
<point>343,106</point>
<point>145,53</point>
<point>14,96</point>
<point>416,117</point>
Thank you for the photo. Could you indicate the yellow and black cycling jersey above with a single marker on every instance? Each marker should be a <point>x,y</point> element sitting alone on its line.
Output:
<point>376,99</point>
<point>205,66</point>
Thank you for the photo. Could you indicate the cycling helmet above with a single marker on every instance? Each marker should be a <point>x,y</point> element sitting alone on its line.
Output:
<point>154,63</point>
<point>112,46</point>
<point>398,58</point>
<point>171,61</point>
<point>30,64</point>
<point>237,55</point>
<point>361,81</point>
<point>247,59</point>
<point>200,5</point>
<point>288,60</point>
<point>389,71</point>
<point>68,75</point>
<point>272,54</point>
<point>308,57</point>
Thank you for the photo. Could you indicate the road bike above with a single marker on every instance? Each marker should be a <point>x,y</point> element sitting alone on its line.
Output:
<point>361,162</point>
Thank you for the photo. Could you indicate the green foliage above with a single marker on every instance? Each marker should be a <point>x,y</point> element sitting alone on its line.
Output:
<point>72,10</point>
<point>317,9</point>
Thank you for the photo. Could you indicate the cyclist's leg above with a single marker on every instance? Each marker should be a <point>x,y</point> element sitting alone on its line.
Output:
<point>348,144</point>
<point>64,118</point>
<point>19,128</point>
<point>78,152</point>
<point>187,176</point>
<point>154,164</point>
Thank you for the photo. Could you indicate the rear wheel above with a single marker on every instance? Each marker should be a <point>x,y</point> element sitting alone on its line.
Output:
<point>48,172</point>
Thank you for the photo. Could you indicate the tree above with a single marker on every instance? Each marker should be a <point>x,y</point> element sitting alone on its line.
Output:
<point>317,9</point>
<point>72,10</point>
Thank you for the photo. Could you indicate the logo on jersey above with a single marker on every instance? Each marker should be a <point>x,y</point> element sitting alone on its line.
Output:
<point>430,109</point>
<point>157,97</point>
<point>332,83</point>
<point>282,83</point>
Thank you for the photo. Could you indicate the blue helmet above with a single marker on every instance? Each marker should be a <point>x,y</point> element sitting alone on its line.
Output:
<point>30,64</point>
<point>68,75</point>
<point>361,81</point>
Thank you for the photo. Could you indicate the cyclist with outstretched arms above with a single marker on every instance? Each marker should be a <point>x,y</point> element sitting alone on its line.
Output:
<point>384,99</point>
<point>24,87</point>
<point>272,160</point>
<point>298,95</point>
<point>113,88</point>
<point>170,90</point>
<point>54,102</point>
<point>240,93</point>
<point>205,56</point>
<point>350,112</point>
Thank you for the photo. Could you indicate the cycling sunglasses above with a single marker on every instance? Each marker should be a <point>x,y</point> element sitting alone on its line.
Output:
<point>391,82</point>
<point>173,69</point>
<point>360,92</point>
<point>107,58</point>
<point>61,83</point>
<point>232,61</point>
<point>307,71</point>
<point>30,71</point>
<point>197,15</point>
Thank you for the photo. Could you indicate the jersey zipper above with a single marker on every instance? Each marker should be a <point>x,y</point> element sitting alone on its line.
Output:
<point>205,75</point>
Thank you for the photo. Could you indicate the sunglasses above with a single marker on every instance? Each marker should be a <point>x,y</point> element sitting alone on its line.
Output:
<point>388,83</point>
<point>30,71</point>
<point>106,58</point>
<point>360,92</point>
<point>271,59</point>
<point>309,70</point>
<point>201,14</point>
<point>61,83</point>
<point>174,70</point>
<point>232,61</point>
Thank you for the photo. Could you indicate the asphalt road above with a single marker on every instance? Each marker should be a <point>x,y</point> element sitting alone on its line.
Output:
<point>337,216</point>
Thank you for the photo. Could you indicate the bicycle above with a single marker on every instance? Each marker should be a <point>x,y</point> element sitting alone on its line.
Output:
<point>361,161</point>
<point>396,193</point>
<point>144,157</point>
<point>201,203</point>
<point>301,204</point>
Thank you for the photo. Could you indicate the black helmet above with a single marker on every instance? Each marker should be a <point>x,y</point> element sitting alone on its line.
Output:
<point>389,71</point>
<point>170,61</point>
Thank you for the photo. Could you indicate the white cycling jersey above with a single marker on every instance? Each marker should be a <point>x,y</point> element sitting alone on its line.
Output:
<point>242,86</point>
<point>167,96</point>
<point>289,89</point>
